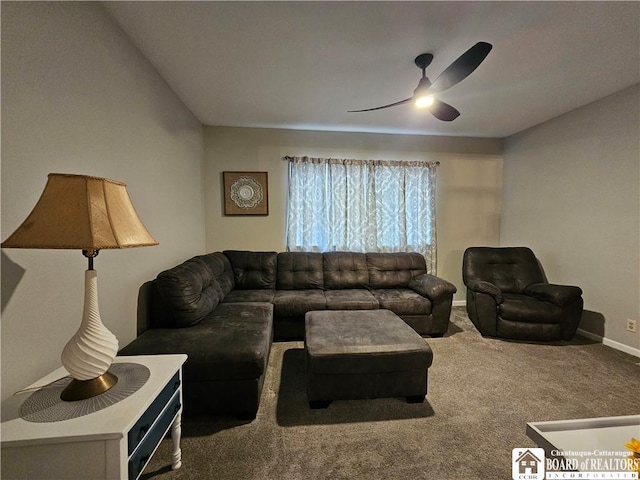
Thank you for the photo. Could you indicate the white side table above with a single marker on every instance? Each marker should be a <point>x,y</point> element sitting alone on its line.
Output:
<point>589,436</point>
<point>115,442</point>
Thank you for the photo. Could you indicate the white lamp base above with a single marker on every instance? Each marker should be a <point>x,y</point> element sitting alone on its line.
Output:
<point>90,352</point>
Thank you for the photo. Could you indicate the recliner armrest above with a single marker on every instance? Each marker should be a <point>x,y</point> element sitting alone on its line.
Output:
<point>556,294</point>
<point>489,288</point>
<point>431,286</point>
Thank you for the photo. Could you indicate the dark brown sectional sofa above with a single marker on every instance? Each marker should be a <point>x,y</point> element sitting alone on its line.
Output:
<point>224,309</point>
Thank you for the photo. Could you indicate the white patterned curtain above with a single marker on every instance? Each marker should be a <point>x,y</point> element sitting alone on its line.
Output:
<point>363,206</point>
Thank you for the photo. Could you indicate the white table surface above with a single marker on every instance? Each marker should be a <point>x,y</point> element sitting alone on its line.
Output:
<point>588,435</point>
<point>113,421</point>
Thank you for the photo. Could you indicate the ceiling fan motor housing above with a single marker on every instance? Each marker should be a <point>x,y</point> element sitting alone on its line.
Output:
<point>423,85</point>
<point>424,60</point>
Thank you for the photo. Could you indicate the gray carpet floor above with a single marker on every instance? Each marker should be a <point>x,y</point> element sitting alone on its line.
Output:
<point>482,392</point>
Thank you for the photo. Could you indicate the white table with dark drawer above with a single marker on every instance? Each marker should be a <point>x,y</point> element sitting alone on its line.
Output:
<point>113,441</point>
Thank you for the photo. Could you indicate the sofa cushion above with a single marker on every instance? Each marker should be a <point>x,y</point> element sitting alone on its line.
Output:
<point>402,301</point>
<point>350,299</point>
<point>253,270</point>
<point>345,270</point>
<point>299,270</point>
<point>221,271</point>
<point>394,270</point>
<point>261,295</point>
<point>295,303</point>
<point>189,291</point>
<point>232,343</point>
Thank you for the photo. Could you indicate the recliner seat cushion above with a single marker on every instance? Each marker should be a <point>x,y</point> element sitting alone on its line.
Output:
<point>522,308</point>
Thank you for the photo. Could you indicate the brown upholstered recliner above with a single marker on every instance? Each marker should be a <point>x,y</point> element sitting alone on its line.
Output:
<point>509,297</point>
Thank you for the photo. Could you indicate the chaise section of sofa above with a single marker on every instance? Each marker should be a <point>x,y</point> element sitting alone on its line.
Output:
<point>227,344</point>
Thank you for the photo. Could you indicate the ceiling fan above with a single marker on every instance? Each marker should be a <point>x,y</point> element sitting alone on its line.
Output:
<point>452,75</point>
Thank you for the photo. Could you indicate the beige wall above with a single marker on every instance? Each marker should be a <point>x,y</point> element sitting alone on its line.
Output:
<point>469,184</point>
<point>78,98</point>
<point>572,193</point>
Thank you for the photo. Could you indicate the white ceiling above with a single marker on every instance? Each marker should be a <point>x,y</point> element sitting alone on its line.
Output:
<point>302,65</point>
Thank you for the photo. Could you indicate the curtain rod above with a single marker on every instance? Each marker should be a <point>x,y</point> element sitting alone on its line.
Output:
<point>288,158</point>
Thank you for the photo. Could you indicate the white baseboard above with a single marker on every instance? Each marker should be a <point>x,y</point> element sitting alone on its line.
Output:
<point>589,335</point>
<point>622,347</point>
<point>610,343</point>
<point>583,333</point>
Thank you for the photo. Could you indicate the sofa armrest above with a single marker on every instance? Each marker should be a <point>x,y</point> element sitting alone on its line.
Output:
<point>431,286</point>
<point>557,294</point>
<point>489,288</point>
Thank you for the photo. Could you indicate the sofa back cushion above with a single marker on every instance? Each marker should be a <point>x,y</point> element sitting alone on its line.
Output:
<point>221,272</point>
<point>253,270</point>
<point>510,269</point>
<point>189,292</point>
<point>394,270</point>
<point>300,271</point>
<point>345,270</point>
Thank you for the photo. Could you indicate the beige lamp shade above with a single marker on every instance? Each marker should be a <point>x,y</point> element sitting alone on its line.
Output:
<point>88,213</point>
<point>81,212</point>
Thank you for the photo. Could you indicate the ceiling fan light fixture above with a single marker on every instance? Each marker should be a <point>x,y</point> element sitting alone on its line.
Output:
<point>424,101</point>
<point>423,97</point>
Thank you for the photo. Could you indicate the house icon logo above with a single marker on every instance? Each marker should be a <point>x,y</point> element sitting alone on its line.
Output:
<point>527,463</point>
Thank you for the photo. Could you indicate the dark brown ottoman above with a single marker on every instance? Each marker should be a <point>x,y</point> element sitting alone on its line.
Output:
<point>363,354</point>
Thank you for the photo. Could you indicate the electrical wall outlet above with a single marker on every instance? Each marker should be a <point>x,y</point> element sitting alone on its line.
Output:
<point>631,325</point>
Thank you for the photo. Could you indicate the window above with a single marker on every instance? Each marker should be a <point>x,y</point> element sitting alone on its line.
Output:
<point>365,206</point>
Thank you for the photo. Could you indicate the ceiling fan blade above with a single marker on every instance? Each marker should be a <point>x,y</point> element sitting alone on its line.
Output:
<point>462,67</point>
<point>401,102</point>
<point>443,111</point>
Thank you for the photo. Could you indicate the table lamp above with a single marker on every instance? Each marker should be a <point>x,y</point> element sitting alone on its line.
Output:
<point>87,213</point>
